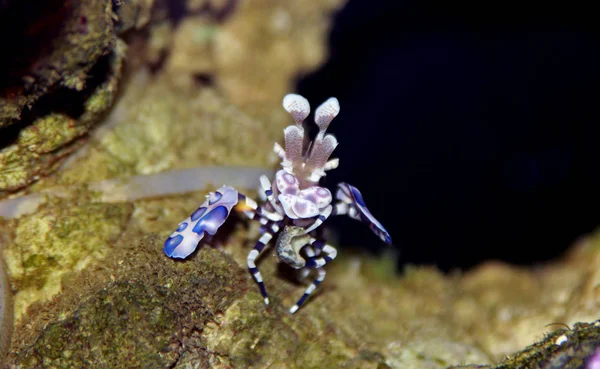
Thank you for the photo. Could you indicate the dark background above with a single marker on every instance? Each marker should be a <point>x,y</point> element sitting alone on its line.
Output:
<point>473,134</point>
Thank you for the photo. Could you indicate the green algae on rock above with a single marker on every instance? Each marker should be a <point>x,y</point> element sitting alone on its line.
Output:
<point>6,312</point>
<point>79,34</point>
<point>43,144</point>
<point>144,313</point>
<point>562,349</point>
<point>63,41</point>
<point>61,83</point>
<point>140,137</point>
<point>63,236</point>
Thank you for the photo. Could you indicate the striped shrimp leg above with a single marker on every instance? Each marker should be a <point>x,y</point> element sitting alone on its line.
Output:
<point>317,262</point>
<point>269,231</point>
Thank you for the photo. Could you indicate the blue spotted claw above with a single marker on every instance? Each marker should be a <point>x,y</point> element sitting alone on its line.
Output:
<point>356,208</point>
<point>205,220</point>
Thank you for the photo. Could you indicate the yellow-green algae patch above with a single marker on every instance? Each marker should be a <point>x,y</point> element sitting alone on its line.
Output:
<point>565,348</point>
<point>42,145</point>
<point>6,313</point>
<point>63,236</point>
<point>143,313</point>
<point>158,125</point>
<point>62,83</point>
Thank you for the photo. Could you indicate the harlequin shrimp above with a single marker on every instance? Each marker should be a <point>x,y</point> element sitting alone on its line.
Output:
<point>294,205</point>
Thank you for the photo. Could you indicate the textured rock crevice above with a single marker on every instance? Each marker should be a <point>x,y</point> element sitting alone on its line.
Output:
<point>63,41</point>
<point>58,86</point>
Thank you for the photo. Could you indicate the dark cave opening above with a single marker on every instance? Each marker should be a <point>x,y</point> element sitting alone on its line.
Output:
<point>471,137</point>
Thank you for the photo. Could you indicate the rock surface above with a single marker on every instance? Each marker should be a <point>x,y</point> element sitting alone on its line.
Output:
<point>207,312</point>
<point>62,77</point>
<point>6,312</point>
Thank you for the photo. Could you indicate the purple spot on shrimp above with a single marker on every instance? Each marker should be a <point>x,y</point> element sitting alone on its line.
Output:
<point>182,226</point>
<point>310,197</point>
<point>198,213</point>
<point>214,199</point>
<point>290,191</point>
<point>300,207</point>
<point>171,244</point>
<point>212,221</point>
<point>289,178</point>
<point>304,208</point>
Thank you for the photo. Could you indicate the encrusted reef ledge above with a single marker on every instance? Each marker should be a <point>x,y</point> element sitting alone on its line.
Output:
<point>145,314</point>
<point>136,308</point>
<point>565,348</point>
